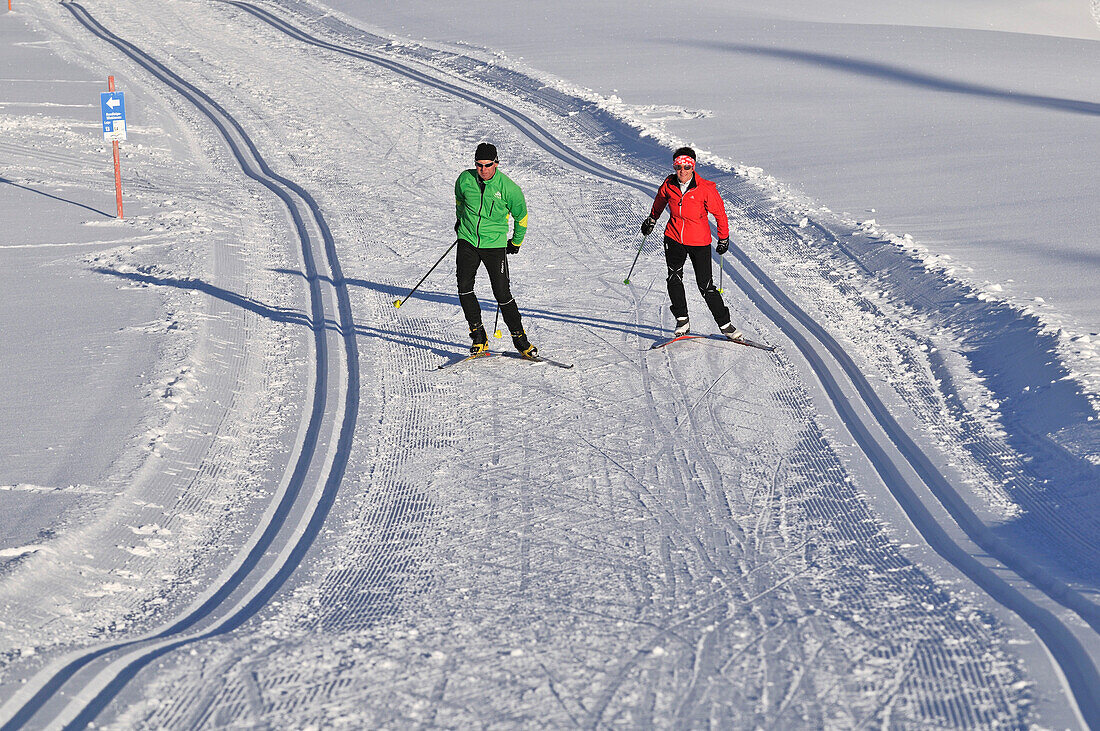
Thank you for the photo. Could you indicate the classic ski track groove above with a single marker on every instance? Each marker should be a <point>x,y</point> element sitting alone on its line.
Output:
<point>1081,537</point>
<point>814,342</point>
<point>311,480</point>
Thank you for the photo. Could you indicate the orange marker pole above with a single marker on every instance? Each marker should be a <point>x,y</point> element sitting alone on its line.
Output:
<point>118,167</point>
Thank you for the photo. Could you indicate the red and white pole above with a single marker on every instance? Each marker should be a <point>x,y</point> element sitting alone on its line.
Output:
<point>114,145</point>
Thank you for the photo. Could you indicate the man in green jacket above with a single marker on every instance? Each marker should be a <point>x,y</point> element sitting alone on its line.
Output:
<point>485,199</point>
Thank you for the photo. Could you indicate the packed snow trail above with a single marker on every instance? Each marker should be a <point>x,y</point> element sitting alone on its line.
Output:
<point>534,131</point>
<point>312,478</point>
<point>647,539</point>
<point>1080,670</point>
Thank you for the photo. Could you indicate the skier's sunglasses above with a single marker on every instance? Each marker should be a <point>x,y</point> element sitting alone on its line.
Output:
<point>484,164</point>
<point>683,167</point>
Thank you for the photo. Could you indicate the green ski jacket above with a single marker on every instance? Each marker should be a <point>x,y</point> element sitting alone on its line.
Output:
<point>483,209</point>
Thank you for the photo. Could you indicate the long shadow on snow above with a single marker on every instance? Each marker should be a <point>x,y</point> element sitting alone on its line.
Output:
<point>282,314</point>
<point>438,346</point>
<point>55,197</point>
<point>278,314</point>
<point>899,75</point>
<point>651,333</point>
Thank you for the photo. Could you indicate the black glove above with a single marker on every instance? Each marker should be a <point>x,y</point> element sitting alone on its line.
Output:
<point>723,246</point>
<point>512,248</point>
<point>648,224</point>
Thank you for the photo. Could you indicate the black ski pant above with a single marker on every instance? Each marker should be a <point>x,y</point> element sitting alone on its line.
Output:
<point>675,256</point>
<point>469,258</point>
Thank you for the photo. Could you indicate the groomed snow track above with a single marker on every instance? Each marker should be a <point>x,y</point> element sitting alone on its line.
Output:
<point>923,491</point>
<point>908,472</point>
<point>74,690</point>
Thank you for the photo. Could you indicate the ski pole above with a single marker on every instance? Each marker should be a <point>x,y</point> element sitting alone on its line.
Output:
<point>398,303</point>
<point>721,271</point>
<point>627,280</point>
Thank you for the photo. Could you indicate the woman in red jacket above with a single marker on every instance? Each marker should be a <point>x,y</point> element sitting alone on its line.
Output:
<point>690,199</point>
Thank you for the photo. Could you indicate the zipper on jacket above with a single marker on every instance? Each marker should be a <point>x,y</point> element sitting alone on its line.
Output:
<point>480,207</point>
<point>680,205</point>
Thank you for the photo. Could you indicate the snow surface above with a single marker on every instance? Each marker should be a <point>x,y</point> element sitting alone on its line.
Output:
<point>233,480</point>
<point>969,126</point>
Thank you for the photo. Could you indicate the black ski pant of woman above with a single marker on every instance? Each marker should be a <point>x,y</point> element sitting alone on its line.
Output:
<point>469,258</point>
<point>675,256</point>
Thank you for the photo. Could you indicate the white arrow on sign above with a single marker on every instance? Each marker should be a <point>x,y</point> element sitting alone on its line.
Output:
<point>113,102</point>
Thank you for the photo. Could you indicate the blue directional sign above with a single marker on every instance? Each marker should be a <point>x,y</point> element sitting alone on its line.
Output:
<point>113,105</point>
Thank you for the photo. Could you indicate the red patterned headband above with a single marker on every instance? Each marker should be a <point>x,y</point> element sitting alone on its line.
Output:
<point>684,160</point>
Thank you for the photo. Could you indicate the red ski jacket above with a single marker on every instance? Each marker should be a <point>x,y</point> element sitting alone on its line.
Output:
<point>687,223</point>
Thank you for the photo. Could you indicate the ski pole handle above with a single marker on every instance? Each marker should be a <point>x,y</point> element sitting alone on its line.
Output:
<point>398,303</point>
<point>627,280</point>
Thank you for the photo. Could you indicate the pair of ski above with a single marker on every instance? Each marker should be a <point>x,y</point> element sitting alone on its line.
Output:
<point>539,359</point>
<point>498,354</point>
<point>720,338</point>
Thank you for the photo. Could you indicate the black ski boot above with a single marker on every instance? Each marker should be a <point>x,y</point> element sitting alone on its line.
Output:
<point>480,340</point>
<point>730,331</point>
<point>523,345</point>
